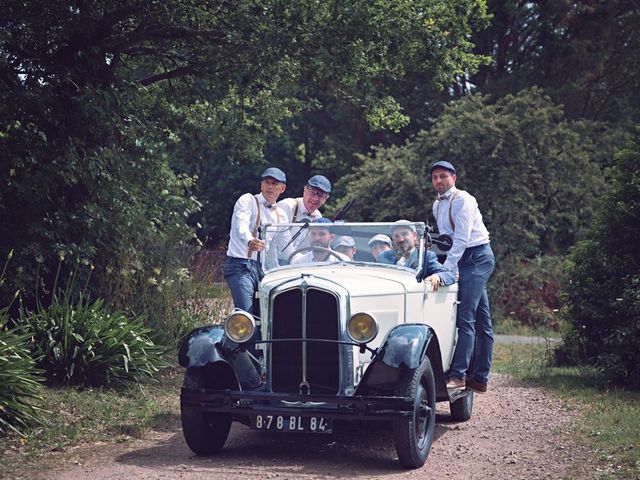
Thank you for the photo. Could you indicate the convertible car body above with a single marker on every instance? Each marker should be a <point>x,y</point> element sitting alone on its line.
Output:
<point>330,339</point>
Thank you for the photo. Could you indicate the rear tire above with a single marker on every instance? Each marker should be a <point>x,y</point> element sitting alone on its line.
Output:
<point>462,408</point>
<point>414,435</point>
<point>205,433</point>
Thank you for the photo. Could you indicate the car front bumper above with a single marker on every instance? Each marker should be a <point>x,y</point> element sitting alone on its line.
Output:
<point>248,404</point>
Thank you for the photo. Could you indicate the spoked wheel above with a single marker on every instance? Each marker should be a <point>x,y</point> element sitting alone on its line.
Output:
<point>414,434</point>
<point>205,433</point>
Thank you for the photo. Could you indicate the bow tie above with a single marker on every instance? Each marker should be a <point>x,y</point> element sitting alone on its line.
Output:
<point>401,254</point>
<point>268,205</point>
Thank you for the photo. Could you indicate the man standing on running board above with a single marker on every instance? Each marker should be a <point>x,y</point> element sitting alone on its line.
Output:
<point>457,214</point>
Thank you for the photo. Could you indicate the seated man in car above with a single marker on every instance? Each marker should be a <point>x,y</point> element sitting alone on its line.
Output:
<point>405,253</point>
<point>345,245</point>
<point>320,236</point>
<point>379,243</point>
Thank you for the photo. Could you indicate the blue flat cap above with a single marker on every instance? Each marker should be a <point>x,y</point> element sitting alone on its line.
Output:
<point>321,182</point>
<point>275,173</point>
<point>442,164</point>
<point>321,220</point>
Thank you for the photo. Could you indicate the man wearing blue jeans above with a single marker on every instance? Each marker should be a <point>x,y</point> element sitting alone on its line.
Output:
<point>241,268</point>
<point>457,214</point>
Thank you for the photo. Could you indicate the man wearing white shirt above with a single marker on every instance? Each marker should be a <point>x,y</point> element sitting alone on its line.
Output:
<point>457,214</point>
<point>241,268</point>
<point>315,195</point>
<point>320,237</point>
<point>305,208</point>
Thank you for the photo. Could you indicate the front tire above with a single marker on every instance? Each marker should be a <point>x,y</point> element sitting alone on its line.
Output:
<point>414,434</point>
<point>205,433</point>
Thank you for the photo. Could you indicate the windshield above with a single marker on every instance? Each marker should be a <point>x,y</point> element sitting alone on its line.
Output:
<point>392,244</point>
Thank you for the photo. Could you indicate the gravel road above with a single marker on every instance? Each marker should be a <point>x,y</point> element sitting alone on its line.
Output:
<point>517,432</point>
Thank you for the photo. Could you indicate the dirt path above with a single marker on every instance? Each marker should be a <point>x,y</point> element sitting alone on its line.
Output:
<point>516,432</point>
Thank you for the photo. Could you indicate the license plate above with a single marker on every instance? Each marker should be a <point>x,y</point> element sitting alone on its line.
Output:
<point>291,423</point>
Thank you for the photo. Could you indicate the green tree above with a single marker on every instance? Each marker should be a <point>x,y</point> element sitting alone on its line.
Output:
<point>536,177</point>
<point>585,54</point>
<point>534,174</point>
<point>602,290</point>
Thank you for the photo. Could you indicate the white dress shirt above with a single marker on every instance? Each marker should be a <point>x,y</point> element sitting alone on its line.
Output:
<point>243,223</point>
<point>308,257</point>
<point>469,231</point>
<point>288,206</point>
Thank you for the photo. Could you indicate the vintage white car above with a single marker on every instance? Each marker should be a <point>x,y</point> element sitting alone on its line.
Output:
<point>331,339</point>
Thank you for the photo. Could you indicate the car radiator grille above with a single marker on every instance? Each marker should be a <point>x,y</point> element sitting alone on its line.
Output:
<point>310,314</point>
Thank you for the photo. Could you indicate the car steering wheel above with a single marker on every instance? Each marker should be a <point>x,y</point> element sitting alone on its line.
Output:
<point>337,255</point>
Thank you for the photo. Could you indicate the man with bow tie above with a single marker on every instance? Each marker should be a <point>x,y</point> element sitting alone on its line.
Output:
<point>405,253</point>
<point>241,267</point>
<point>458,216</point>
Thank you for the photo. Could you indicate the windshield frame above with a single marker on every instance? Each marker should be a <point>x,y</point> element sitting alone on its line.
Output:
<point>279,235</point>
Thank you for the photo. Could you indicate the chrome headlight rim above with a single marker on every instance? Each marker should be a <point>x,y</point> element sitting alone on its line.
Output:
<point>231,326</point>
<point>372,331</point>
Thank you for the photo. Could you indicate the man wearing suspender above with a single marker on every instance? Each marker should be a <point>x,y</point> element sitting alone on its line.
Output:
<point>457,214</point>
<point>315,194</point>
<point>241,268</point>
<point>305,209</point>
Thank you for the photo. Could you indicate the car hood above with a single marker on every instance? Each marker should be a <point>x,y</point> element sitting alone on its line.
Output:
<point>358,279</point>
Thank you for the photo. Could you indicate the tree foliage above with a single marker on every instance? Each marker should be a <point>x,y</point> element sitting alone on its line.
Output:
<point>603,285</point>
<point>101,102</point>
<point>585,54</point>
<point>535,174</point>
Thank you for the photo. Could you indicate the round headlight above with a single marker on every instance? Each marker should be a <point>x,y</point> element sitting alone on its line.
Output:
<point>239,326</point>
<point>362,327</point>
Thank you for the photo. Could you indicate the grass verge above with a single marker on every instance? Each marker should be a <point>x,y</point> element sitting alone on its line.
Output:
<point>609,425</point>
<point>92,416</point>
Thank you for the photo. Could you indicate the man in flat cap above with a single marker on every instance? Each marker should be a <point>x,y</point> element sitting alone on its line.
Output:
<point>457,215</point>
<point>320,236</point>
<point>379,243</point>
<point>315,195</point>
<point>305,208</point>
<point>241,268</point>
<point>345,245</point>
<point>405,253</point>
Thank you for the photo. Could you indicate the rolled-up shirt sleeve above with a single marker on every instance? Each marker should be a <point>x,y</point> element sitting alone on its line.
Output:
<point>242,214</point>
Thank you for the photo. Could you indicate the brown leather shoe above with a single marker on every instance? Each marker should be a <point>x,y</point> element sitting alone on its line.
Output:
<point>454,383</point>
<point>475,385</point>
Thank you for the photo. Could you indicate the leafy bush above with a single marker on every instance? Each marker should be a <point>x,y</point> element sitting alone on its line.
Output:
<point>19,382</point>
<point>85,344</point>
<point>603,284</point>
<point>528,290</point>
